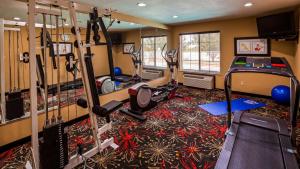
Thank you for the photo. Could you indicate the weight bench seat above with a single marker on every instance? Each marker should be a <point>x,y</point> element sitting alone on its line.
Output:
<point>112,106</point>
<point>257,142</point>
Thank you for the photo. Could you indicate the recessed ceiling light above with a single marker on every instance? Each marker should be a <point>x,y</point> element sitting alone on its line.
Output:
<point>175,16</point>
<point>141,4</point>
<point>17,18</point>
<point>248,4</point>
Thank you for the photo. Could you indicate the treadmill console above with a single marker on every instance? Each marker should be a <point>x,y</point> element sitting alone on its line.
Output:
<point>265,64</point>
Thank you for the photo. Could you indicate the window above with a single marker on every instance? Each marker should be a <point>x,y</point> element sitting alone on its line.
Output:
<point>200,52</point>
<point>152,47</point>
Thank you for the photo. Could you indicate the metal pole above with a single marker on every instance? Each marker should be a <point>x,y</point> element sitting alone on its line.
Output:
<point>58,69</point>
<point>86,84</point>
<point>33,87</point>
<point>45,68</point>
<point>2,70</point>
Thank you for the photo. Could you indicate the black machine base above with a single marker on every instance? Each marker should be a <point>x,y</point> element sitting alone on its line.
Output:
<point>134,114</point>
<point>14,105</point>
<point>54,147</point>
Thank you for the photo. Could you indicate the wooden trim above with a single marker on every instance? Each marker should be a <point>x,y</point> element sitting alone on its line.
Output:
<point>12,29</point>
<point>47,12</point>
<point>205,32</point>
<point>153,36</point>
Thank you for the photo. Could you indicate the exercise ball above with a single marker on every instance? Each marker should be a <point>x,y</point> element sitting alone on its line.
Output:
<point>118,71</point>
<point>117,83</point>
<point>281,94</point>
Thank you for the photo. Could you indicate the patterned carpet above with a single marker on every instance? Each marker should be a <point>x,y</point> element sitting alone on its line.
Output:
<point>177,134</point>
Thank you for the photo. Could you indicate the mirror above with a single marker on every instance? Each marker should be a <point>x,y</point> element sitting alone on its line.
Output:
<point>148,42</point>
<point>128,38</point>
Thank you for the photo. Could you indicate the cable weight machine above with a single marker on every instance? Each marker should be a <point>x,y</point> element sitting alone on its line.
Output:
<point>53,131</point>
<point>54,143</point>
<point>87,71</point>
<point>12,103</point>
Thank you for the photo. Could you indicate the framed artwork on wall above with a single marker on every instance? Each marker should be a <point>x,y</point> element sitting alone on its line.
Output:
<point>128,48</point>
<point>252,46</point>
<point>64,48</point>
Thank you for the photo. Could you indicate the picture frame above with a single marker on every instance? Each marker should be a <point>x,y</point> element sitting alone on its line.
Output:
<point>64,48</point>
<point>127,47</point>
<point>252,46</point>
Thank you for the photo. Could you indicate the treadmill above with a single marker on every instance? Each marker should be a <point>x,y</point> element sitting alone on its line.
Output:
<point>255,142</point>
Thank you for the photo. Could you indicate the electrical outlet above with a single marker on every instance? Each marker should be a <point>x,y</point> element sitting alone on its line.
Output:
<point>242,83</point>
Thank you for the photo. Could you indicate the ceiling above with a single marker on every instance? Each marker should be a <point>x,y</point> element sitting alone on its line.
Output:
<point>191,10</point>
<point>13,9</point>
<point>163,10</point>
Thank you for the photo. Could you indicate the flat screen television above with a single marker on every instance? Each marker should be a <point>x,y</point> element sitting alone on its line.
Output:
<point>278,26</point>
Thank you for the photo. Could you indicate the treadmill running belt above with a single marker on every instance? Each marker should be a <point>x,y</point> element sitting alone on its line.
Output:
<point>256,148</point>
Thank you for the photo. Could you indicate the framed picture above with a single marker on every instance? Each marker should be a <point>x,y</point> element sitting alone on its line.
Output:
<point>252,46</point>
<point>63,49</point>
<point>128,48</point>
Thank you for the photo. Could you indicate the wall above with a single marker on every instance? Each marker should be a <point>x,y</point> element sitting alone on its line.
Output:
<point>245,27</point>
<point>100,60</point>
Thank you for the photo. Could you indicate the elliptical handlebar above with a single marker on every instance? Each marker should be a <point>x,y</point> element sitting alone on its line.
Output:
<point>136,55</point>
<point>170,56</point>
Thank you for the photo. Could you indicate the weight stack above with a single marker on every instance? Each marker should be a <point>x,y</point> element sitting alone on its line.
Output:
<point>14,106</point>
<point>54,147</point>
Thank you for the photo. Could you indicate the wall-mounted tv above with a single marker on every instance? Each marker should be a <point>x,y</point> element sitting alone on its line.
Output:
<point>278,26</point>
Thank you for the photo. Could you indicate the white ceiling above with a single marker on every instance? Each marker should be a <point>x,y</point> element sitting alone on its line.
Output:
<point>192,10</point>
<point>163,10</point>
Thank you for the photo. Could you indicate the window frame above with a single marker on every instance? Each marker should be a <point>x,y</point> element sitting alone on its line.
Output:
<point>155,63</point>
<point>199,71</point>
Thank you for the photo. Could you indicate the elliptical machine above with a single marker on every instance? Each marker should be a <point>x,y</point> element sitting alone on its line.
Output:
<point>137,62</point>
<point>143,97</point>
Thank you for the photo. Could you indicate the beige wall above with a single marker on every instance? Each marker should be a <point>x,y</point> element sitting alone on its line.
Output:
<point>246,27</point>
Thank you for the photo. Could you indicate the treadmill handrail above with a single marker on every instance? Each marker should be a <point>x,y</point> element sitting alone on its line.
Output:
<point>288,73</point>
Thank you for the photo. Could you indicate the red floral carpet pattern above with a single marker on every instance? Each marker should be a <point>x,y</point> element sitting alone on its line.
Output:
<point>177,134</point>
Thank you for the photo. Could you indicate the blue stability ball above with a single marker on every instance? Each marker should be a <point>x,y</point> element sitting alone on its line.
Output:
<point>281,94</point>
<point>117,83</point>
<point>118,71</point>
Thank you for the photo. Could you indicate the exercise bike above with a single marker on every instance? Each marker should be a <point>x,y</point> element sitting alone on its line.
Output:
<point>143,97</point>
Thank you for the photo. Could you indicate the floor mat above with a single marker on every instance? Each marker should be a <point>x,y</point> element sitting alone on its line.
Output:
<point>241,104</point>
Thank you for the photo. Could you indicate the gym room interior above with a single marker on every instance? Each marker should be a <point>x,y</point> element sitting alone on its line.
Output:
<point>149,84</point>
